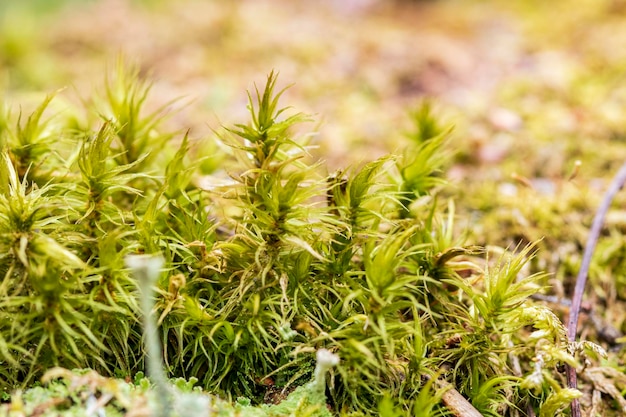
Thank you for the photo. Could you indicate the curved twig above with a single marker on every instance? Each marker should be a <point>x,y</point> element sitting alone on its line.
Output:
<point>581,280</point>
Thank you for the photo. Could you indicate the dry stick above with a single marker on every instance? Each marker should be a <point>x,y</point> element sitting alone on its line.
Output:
<point>455,402</point>
<point>581,279</point>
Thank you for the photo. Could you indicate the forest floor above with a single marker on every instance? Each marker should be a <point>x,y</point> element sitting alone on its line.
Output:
<point>531,87</point>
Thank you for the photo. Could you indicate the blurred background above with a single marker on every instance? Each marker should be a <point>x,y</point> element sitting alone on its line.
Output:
<point>501,71</point>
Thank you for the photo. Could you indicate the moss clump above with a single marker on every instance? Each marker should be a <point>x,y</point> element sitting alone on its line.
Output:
<point>267,260</point>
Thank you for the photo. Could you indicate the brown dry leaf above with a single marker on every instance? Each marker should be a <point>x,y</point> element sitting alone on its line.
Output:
<point>609,381</point>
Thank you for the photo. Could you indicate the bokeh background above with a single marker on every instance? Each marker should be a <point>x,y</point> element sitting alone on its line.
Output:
<point>501,71</point>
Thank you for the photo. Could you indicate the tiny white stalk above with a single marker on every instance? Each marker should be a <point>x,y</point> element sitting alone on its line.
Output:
<point>325,361</point>
<point>147,269</point>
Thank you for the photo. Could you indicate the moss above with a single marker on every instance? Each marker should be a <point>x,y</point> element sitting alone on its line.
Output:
<point>264,262</point>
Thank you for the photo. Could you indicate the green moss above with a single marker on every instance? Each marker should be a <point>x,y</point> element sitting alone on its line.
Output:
<point>266,261</point>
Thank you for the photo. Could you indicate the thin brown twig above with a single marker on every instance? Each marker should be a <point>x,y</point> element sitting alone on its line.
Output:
<point>581,279</point>
<point>455,402</point>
